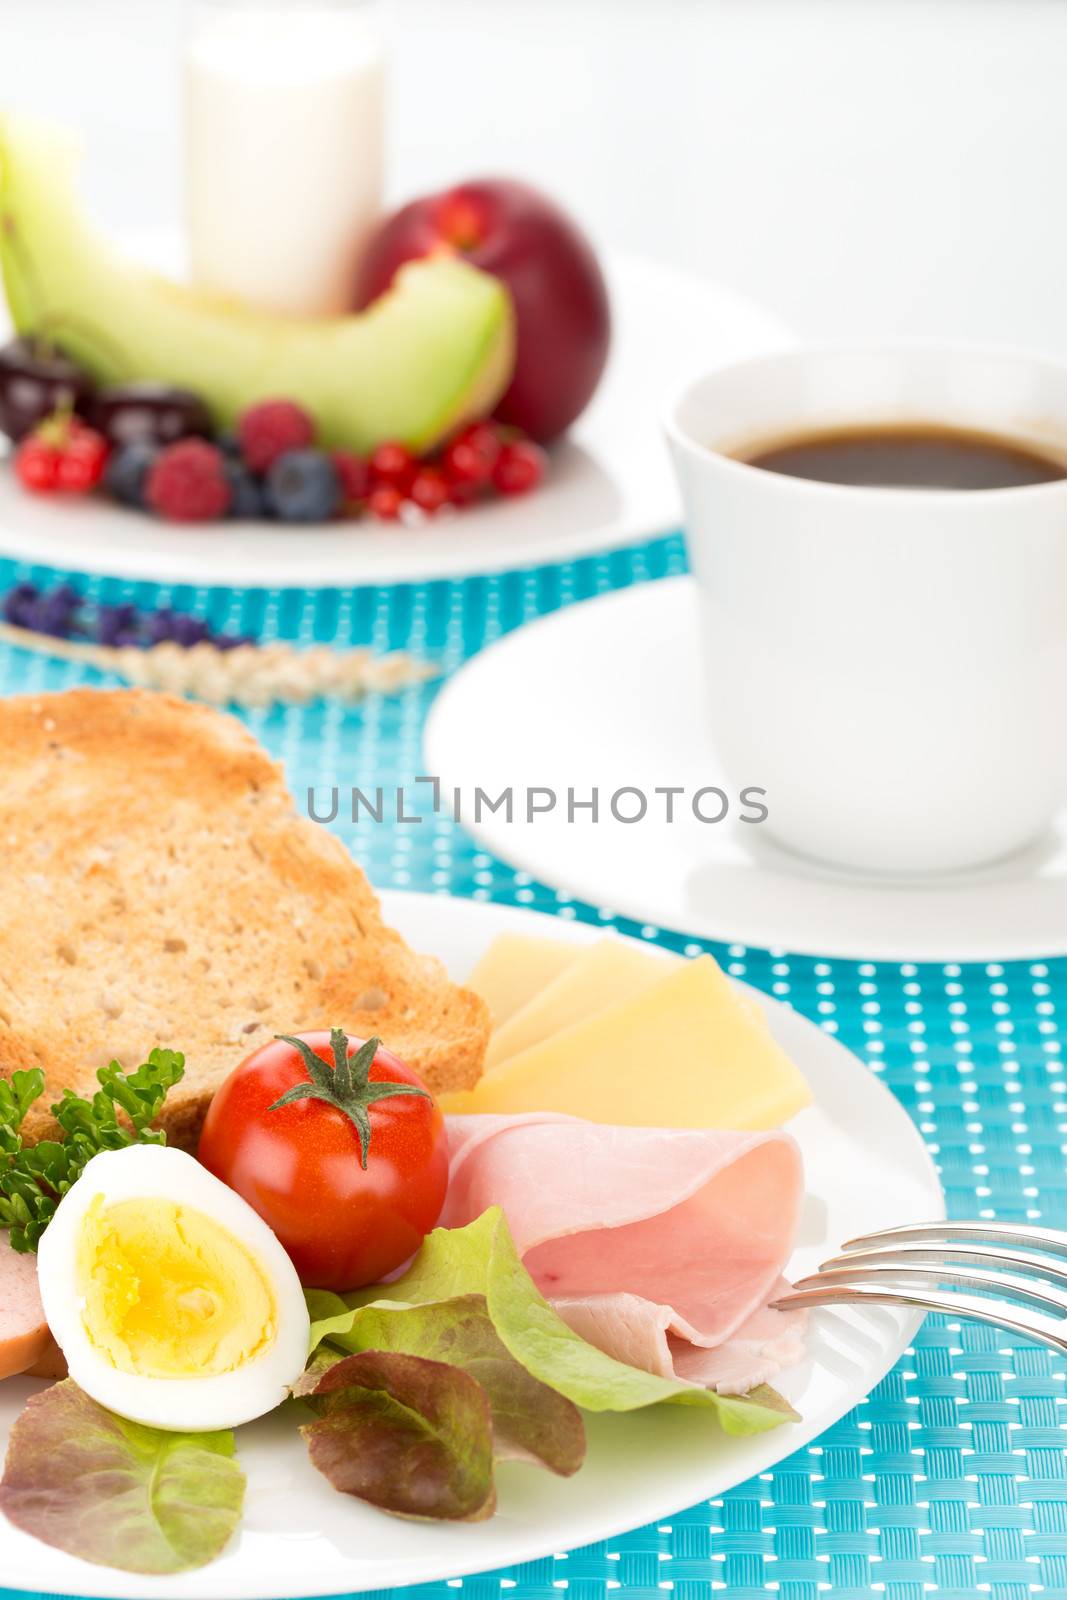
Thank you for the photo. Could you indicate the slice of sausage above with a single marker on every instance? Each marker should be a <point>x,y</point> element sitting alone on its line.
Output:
<point>24,1335</point>
<point>52,1364</point>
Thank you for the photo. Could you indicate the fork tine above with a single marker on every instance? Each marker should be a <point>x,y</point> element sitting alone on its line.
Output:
<point>953,1254</point>
<point>1052,1241</point>
<point>1000,1314</point>
<point>1042,1298</point>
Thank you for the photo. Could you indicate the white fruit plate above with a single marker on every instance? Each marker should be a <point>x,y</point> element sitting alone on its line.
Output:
<point>866,1168</point>
<point>609,483</point>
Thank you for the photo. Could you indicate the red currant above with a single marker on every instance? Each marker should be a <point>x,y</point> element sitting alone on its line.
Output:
<point>393,464</point>
<point>521,467</point>
<point>62,453</point>
<point>430,490</point>
<point>82,461</point>
<point>37,465</point>
<point>473,454</point>
<point>384,502</point>
<point>464,494</point>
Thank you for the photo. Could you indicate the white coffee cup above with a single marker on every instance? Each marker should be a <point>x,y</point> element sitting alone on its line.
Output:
<point>889,664</point>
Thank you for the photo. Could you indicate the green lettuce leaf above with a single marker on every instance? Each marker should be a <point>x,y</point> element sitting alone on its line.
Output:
<point>116,1493</point>
<point>531,1421</point>
<point>407,1435</point>
<point>481,1259</point>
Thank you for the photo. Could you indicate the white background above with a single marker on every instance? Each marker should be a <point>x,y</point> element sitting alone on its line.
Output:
<point>858,165</point>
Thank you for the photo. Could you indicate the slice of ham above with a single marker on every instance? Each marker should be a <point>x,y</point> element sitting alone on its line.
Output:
<point>24,1335</point>
<point>660,1245</point>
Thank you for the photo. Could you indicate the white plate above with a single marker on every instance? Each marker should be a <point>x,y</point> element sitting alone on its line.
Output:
<point>609,483</point>
<point>608,693</point>
<point>866,1166</point>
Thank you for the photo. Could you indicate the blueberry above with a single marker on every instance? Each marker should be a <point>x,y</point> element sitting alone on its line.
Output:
<point>247,500</point>
<point>230,641</point>
<point>303,486</point>
<point>127,471</point>
<point>116,625</point>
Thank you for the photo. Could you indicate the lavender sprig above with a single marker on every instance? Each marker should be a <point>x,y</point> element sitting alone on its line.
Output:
<point>62,613</point>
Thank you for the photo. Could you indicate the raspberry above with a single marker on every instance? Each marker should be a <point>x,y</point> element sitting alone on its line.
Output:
<point>188,483</point>
<point>353,474</point>
<point>270,429</point>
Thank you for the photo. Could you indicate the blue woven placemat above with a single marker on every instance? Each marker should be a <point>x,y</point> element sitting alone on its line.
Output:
<point>950,1479</point>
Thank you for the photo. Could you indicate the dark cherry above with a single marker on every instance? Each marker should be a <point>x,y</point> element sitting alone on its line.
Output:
<point>35,380</point>
<point>149,413</point>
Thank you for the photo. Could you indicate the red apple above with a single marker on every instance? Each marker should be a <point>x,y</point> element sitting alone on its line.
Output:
<point>563,321</point>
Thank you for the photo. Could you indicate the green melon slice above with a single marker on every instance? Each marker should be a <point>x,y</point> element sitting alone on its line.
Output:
<point>430,355</point>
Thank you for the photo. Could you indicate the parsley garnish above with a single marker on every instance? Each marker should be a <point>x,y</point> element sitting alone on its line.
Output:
<point>34,1178</point>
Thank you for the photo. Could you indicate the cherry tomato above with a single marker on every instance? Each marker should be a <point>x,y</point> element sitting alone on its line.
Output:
<point>300,1164</point>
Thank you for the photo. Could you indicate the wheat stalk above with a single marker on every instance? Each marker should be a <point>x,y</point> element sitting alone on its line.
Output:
<point>251,675</point>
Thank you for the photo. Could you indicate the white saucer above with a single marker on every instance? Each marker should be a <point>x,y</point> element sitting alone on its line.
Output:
<point>607,694</point>
<point>610,483</point>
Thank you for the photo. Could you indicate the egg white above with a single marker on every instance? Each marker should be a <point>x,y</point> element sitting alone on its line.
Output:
<point>181,1405</point>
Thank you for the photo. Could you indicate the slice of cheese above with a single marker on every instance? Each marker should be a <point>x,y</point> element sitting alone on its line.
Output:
<point>600,976</point>
<point>686,1052</point>
<point>515,967</point>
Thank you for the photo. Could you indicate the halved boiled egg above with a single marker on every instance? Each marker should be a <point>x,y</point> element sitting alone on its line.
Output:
<point>172,1301</point>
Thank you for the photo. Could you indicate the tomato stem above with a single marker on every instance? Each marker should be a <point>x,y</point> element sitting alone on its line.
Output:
<point>346,1085</point>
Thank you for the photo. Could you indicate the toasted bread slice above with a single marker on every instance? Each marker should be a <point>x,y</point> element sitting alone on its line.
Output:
<point>159,888</point>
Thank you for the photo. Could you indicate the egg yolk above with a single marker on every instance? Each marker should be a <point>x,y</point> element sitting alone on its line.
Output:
<point>167,1292</point>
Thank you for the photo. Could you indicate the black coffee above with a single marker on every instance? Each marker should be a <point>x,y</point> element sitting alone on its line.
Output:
<point>909,456</point>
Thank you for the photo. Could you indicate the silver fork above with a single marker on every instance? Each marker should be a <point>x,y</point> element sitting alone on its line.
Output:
<point>926,1265</point>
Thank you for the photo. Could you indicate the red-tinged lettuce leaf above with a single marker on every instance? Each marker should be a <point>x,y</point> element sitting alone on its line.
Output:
<point>116,1493</point>
<point>407,1435</point>
<point>319,1363</point>
<point>482,1259</point>
<point>531,1422</point>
